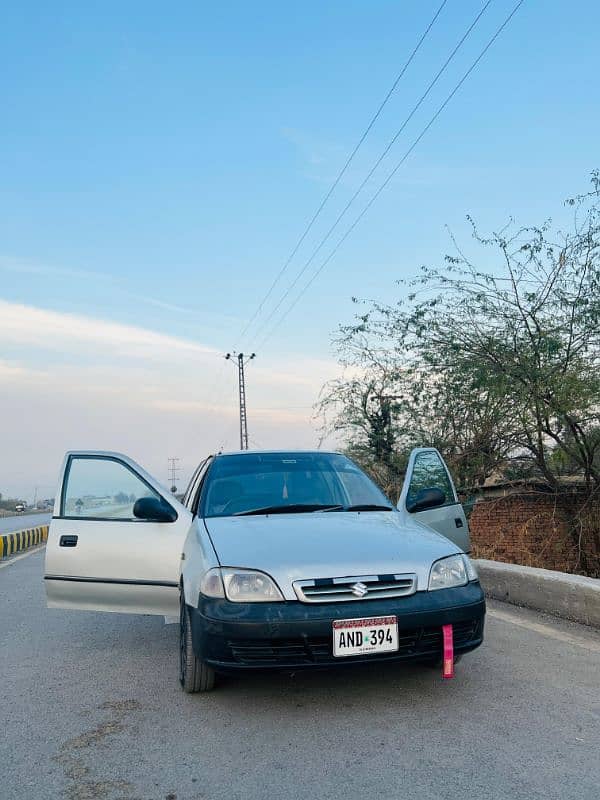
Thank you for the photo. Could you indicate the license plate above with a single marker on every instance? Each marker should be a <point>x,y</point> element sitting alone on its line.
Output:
<point>352,637</point>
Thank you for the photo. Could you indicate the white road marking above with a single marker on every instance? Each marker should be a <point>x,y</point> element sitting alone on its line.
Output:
<point>547,630</point>
<point>13,560</point>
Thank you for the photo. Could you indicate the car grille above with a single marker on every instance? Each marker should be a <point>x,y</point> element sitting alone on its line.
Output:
<point>362,587</point>
<point>319,649</point>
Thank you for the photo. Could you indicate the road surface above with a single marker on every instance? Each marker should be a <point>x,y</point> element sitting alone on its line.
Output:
<point>91,708</point>
<point>22,521</point>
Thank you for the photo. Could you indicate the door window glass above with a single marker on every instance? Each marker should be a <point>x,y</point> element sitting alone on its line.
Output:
<point>199,487</point>
<point>102,488</point>
<point>197,478</point>
<point>429,472</point>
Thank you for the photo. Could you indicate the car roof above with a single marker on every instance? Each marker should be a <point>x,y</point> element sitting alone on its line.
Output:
<point>276,452</point>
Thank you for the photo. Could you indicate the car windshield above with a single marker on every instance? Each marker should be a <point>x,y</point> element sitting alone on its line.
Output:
<point>294,483</point>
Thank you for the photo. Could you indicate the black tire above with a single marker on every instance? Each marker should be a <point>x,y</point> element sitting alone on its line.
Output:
<point>194,674</point>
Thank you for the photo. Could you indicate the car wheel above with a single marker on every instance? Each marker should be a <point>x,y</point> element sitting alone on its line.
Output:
<point>194,674</point>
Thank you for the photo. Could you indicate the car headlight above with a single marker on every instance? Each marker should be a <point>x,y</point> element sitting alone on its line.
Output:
<point>240,585</point>
<point>452,571</point>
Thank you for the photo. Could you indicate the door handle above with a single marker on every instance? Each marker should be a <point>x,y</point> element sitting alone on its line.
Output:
<point>68,541</point>
<point>458,522</point>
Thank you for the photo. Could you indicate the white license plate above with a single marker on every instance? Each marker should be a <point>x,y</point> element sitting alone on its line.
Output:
<point>352,637</point>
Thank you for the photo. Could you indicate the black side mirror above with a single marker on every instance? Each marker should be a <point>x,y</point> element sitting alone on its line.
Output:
<point>426,498</point>
<point>154,509</point>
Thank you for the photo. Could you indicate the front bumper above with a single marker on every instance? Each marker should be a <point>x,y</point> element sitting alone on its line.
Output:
<point>293,635</point>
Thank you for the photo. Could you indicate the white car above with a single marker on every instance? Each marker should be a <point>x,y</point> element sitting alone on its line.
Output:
<point>273,560</point>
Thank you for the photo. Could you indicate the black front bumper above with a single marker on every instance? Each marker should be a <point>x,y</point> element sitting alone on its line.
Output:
<point>293,635</point>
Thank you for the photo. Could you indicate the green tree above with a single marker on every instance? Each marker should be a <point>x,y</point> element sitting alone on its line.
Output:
<point>490,364</point>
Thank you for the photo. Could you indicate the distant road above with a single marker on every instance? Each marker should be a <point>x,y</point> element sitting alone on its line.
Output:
<point>21,521</point>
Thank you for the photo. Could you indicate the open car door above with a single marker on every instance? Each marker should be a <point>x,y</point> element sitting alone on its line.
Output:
<point>115,539</point>
<point>427,471</point>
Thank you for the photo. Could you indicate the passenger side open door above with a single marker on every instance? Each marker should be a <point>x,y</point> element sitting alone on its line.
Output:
<point>115,539</point>
<point>429,496</point>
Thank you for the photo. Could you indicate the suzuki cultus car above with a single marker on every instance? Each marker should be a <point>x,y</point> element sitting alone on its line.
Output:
<point>273,560</point>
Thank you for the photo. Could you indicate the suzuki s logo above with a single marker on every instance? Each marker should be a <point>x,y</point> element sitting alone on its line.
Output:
<point>359,589</point>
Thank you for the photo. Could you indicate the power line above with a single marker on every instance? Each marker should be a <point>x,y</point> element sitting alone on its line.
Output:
<point>389,146</point>
<point>347,164</point>
<point>344,169</point>
<point>392,173</point>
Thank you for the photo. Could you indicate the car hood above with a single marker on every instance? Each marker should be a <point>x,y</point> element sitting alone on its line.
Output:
<point>292,547</point>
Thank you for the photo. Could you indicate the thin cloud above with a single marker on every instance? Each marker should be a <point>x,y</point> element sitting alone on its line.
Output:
<point>151,301</point>
<point>15,371</point>
<point>93,342</point>
<point>27,268</point>
<point>59,331</point>
<point>313,150</point>
<point>82,382</point>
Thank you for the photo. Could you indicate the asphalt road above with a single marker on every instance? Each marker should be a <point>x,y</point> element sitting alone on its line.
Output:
<point>91,708</point>
<point>22,521</point>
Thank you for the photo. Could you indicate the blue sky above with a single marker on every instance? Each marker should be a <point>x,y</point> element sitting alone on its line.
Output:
<point>159,163</point>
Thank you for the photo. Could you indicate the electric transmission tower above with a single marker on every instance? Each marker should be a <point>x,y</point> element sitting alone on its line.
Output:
<point>241,363</point>
<point>173,470</point>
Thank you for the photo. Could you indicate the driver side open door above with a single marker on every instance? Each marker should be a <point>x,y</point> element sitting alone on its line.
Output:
<point>100,556</point>
<point>427,470</point>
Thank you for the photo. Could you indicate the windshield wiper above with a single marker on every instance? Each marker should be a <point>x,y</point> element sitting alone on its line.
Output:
<point>368,507</point>
<point>304,508</point>
<point>291,508</point>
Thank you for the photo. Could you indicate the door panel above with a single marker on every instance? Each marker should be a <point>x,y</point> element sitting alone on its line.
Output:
<point>124,598</point>
<point>99,555</point>
<point>427,470</point>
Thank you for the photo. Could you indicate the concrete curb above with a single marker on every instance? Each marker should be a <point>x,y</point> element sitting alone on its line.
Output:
<point>11,543</point>
<point>571,597</point>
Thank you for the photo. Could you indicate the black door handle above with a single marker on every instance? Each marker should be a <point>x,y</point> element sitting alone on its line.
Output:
<point>68,541</point>
<point>458,522</point>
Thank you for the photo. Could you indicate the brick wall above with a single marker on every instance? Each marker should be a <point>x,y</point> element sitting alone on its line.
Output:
<point>538,529</point>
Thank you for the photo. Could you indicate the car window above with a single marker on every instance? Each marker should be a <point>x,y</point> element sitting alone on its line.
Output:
<point>355,486</point>
<point>188,492</point>
<point>102,488</point>
<point>429,472</point>
<point>191,494</point>
<point>237,484</point>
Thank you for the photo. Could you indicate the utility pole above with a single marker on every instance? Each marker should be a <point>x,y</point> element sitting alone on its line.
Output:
<point>173,470</point>
<point>241,363</point>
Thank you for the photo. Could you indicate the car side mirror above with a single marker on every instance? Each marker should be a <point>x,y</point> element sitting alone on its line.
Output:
<point>154,509</point>
<point>426,498</point>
